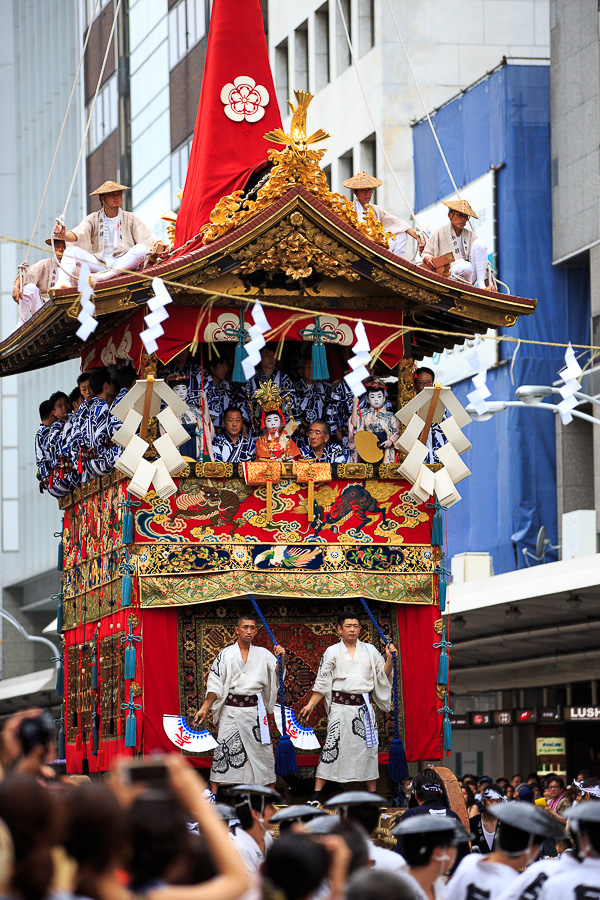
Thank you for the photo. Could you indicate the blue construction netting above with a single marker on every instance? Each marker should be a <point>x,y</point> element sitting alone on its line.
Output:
<point>504,121</point>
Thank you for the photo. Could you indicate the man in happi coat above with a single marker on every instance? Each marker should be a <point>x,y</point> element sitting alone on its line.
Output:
<point>240,690</point>
<point>38,281</point>
<point>108,239</point>
<point>352,675</point>
<point>362,186</point>
<point>470,253</point>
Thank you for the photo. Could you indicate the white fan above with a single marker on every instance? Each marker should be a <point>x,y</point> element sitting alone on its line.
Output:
<point>303,738</point>
<point>179,732</point>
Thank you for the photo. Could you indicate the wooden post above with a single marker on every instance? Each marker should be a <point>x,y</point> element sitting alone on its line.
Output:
<point>147,404</point>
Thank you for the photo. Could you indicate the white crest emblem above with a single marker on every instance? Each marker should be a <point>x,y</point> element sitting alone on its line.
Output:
<point>244,99</point>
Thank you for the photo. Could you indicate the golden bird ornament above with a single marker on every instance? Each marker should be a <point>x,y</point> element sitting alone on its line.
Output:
<point>297,137</point>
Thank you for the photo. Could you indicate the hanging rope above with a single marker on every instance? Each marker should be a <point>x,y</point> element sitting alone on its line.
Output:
<point>397,765</point>
<point>58,143</point>
<point>285,758</point>
<point>61,219</point>
<point>414,77</point>
<point>376,132</point>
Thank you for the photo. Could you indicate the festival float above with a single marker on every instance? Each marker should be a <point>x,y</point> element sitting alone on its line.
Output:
<point>160,557</point>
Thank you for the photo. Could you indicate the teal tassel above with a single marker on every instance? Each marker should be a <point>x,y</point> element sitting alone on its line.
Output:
<point>60,680</point>
<point>446,726</point>
<point>442,593</point>
<point>447,733</point>
<point>437,537</point>
<point>59,618</point>
<point>95,731</point>
<point>94,669</point>
<point>128,528</point>
<point>240,353</point>
<point>286,762</point>
<point>320,372</point>
<point>131,731</point>
<point>130,661</point>
<point>444,658</point>
<point>61,557</point>
<point>126,570</point>
<point>61,743</point>
<point>126,591</point>
<point>130,721</point>
<point>397,764</point>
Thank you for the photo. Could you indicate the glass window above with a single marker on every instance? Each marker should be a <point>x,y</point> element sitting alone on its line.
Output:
<point>343,51</point>
<point>106,114</point>
<point>186,27</point>
<point>346,167</point>
<point>322,46</point>
<point>179,166</point>
<point>301,57</point>
<point>88,9</point>
<point>366,25</point>
<point>149,80</point>
<point>143,17</point>
<point>151,147</point>
<point>282,77</point>
<point>368,159</point>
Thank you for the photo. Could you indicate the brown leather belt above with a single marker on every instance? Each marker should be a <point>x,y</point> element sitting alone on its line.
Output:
<point>241,700</point>
<point>348,699</point>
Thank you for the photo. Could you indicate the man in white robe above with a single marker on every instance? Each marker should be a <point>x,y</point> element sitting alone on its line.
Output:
<point>108,239</point>
<point>38,281</point>
<point>470,253</point>
<point>351,675</point>
<point>240,690</point>
<point>254,805</point>
<point>362,186</point>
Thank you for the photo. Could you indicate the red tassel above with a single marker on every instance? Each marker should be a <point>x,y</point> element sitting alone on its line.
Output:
<point>78,743</point>
<point>119,726</point>
<point>79,464</point>
<point>101,760</point>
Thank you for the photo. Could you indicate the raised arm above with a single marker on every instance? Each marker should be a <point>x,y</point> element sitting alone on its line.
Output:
<point>231,881</point>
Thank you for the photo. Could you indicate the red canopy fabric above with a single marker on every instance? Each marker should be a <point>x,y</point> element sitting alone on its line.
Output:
<point>215,324</point>
<point>237,107</point>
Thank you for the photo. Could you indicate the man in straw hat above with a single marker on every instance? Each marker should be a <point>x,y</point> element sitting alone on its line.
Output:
<point>38,280</point>
<point>470,253</point>
<point>108,239</point>
<point>362,186</point>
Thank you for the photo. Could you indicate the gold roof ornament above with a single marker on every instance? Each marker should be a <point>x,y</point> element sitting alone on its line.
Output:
<point>297,138</point>
<point>296,164</point>
<point>109,187</point>
<point>460,206</point>
<point>362,181</point>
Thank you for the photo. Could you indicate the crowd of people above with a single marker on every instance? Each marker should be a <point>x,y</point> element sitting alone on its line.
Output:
<point>225,420</point>
<point>152,829</point>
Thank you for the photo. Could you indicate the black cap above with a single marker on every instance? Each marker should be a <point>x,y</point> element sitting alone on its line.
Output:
<point>584,812</point>
<point>257,790</point>
<point>323,824</point>
<point>355,798</point>
<point>526,817</point>
<point>299,813</point>
<point>425,825</point>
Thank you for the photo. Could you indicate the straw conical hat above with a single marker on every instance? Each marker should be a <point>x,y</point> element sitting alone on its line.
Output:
<point>362,180</point>
<point>108,187</point>
<point>460,206</point>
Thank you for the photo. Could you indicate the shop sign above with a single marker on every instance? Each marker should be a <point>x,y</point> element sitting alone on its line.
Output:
<point>459,721</point>
<point>550,746</point>
<point>578,713</point>
<point>503,717</point>
<point>481,719</point>
<point>525,716</point>
<point>550,714</point>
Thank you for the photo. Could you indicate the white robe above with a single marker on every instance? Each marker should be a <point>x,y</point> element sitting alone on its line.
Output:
<point>475,872</point>
<point>390,222</point>
<point>346,755</point>
<point>241,758</point>
<point>578,882</point>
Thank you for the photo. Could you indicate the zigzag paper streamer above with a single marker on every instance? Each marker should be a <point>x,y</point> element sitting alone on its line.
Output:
<point>179,732</point>
<point>256,342</point>
<point>301,737</point>
<point>358,362</point>
<point>86,313</point>
<point>157,314</point>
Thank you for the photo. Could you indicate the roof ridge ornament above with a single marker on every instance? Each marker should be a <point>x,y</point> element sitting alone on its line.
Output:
<point>296,164</point>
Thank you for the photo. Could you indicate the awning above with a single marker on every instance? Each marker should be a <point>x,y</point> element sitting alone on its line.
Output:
<point>187,324</point>
<point>23,685</point>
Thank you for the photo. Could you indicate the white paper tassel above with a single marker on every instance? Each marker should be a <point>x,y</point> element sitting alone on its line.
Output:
<point>87,311</point>
<point>358,362</point>
<point>256,342</point>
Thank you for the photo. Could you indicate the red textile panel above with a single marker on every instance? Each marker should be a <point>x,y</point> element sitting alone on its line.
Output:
<point>211,324</point>
<point>238,105</point>
<point>419,677</point>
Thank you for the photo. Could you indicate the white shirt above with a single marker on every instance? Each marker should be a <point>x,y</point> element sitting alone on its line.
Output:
<point>439,888</point>
<point>529,884</point>
<point>488,835</point>
<point>382,858</point>
<point>252,855</point>
<point>111,237</point>
<point>580,882</point>
<point>487,879</point>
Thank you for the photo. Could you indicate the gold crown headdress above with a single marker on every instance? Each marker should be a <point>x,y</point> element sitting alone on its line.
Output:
<point>268,397</point>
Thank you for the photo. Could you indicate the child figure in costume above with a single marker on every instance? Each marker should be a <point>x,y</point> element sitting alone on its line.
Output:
<point>375,419</point>
<point>199,445</point>
<point>275,441</point>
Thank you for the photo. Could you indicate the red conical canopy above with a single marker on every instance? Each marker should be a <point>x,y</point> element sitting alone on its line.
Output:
<point>237,107</point>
